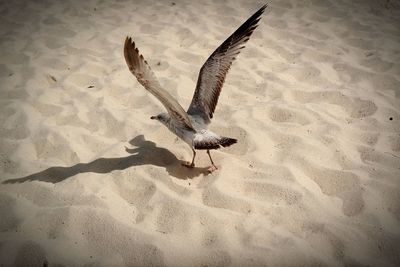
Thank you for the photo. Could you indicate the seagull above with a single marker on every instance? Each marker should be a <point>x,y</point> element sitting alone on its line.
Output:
<point>191,126</point>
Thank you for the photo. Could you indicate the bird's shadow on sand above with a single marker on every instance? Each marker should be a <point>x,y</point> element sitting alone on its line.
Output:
<point>145,153</point>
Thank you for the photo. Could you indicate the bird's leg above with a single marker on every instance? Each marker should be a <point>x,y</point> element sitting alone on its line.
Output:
<point>194,155</point>
<point>212,167</point>
<point>191,165</point>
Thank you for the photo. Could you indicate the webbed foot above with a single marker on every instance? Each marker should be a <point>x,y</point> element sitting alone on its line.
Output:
<point>212,168</point>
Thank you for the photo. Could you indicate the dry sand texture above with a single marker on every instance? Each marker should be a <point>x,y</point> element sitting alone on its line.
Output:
<point>87,179</point>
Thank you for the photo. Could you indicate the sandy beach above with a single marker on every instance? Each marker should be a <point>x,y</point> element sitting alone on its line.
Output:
<point>87,179</point>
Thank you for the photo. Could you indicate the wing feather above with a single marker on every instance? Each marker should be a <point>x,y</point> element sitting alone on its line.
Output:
<point>145,76</point>
<point>213,72</point>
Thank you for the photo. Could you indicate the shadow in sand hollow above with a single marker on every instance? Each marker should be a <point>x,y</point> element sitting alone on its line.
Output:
<point>146,152</point>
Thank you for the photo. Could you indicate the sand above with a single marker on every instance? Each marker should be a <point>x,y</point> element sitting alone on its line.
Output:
<point>87,179</point>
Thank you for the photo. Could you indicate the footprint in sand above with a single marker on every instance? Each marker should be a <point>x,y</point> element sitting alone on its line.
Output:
<point>81,79</point>
<point>274,173</point>
<point>108,124</point>
<point>173,217</point>
<point>48,110</point>
<point>14,124</point>
<point>51,20</point>
<point>278,23</point>
<point>304,74</point>
<point>386,160</point>
<point>109,237</point>
<point>278,114</point>
<point>215,258</point>
<point>61,32</point>
<point>14,59</point>
<point>186,36</point>
<point>52,42</point>
<point>5,71</point>
<point>136,191</point>
<point>386,83</point>
<point>376,64</point>
<point>150,29</point>
<point>189,58</point>
<point>272,193</point>
<point>48,144</point>
<point>55,63</point>
<point>355,107</point>
<point>390,196</point>
<point>394,141</point>
<point>209,239</point>
<point>9,220</point>
<point>342,184</point>
<point>7,165</point>
<point>213,197</point>
<point>30,253</point>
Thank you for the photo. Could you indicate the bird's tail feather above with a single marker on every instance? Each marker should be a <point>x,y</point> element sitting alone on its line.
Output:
<point>227,141</point>
<point>215,143</point>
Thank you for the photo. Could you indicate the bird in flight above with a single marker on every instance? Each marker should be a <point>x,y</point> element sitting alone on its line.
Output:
<point>191,125</point>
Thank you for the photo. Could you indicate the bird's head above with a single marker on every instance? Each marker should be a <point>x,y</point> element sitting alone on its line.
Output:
<point>162,117</point>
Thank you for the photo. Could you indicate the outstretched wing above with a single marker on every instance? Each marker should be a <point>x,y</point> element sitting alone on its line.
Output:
<point>212,73</point>
<point>142,71</point>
